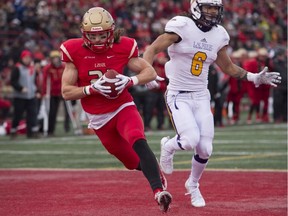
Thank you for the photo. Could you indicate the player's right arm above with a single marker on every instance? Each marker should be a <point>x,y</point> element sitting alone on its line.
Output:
<point>70,90</point>
<point>159,45</point>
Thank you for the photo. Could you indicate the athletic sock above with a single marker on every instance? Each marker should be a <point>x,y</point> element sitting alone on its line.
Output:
<point>149,164</point>
<point>198,166</point>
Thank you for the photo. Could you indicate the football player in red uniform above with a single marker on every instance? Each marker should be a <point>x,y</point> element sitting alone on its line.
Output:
<point>116,122</point>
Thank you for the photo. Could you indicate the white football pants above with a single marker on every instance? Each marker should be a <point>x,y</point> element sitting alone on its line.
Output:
<point>192,119</point>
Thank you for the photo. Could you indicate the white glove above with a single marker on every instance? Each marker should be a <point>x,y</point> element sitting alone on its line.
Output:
<point>97,87</point>
<point>125,82</point>
<point>270,78</point>
<point>154,84</point>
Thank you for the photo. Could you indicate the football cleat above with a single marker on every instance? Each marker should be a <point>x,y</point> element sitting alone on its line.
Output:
<point>197,199</point>
<point>164,199</point>
<point>166,157</point>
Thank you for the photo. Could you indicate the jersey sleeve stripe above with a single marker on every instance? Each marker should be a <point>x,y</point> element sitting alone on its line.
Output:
<point>63,48</point>
<point>133,49</point>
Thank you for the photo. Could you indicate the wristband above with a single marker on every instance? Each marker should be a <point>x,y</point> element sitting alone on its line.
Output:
<point>135,80</point>
<point>86,90</point>
<point>251,77</point>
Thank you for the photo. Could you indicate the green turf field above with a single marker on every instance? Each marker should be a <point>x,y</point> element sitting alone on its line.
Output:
<point>262,146</point>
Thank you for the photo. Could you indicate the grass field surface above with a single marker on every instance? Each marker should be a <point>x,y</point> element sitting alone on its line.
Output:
<point>261,146</point>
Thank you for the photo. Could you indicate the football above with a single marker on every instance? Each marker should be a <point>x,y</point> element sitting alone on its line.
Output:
<point>110,80</point>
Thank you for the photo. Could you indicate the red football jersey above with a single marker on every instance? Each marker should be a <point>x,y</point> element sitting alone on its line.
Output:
<point>91,66</point>
<point>54,75</point>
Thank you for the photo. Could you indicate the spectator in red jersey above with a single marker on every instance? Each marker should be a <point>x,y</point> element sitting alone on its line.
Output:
<point>5,91</point>
<point>117,121</point>
<point>254,97</point>
<point>261,93</point>
<point>264,90</point>
<point>52,75</point>
<point>236,89</point>
<point>5,106</point>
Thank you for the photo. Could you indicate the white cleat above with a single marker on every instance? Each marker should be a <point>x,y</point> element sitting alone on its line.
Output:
<point>197,199</point>
<point>166,157</point>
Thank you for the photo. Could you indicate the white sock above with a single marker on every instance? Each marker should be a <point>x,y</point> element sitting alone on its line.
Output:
<point>196,172</point>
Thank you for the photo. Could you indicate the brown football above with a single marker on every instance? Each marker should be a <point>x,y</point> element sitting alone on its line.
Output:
<point>110,80</point>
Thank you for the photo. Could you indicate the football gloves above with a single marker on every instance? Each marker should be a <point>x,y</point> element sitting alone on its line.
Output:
<point>264,77</point>
<point>125,82</point>
<point>98,88</point>
<point>154,84</point>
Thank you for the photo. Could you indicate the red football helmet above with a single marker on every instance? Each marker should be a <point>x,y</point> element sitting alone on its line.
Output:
<point>98,21</point>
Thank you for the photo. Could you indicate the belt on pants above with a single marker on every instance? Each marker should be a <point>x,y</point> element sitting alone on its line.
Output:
<point>182,92</point>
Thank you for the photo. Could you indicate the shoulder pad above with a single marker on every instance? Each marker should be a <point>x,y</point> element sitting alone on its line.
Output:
<point>178,21</point>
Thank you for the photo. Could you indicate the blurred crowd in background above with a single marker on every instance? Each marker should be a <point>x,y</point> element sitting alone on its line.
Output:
<point>258,35</point>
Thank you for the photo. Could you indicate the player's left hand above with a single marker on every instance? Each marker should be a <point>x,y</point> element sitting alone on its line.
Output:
<point>154,84</point>
<point>98,87</point>
<point>269,78</point>
<point>124,82</point>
